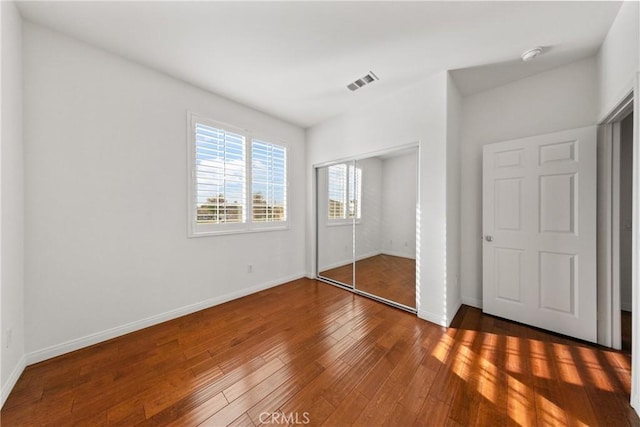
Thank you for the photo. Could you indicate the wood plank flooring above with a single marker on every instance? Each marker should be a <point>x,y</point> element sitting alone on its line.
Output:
<point>390,277</point>
<point>386,276</point>
<point>310,353</point>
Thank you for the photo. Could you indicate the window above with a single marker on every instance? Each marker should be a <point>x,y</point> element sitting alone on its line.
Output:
<point>237,182</point>
<point>220,176</point>
<point>345,192</point>
<point>269,181</point>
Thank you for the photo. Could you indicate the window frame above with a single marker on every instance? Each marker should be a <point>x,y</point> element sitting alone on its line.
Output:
<point>195,229</point>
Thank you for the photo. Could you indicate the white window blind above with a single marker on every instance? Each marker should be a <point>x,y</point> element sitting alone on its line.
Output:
<point>220,176</point>
<point>345,191</point>
<point>355,191</point>
<point>237,182</point>
<point>268,181</point>
<point>337,191</point>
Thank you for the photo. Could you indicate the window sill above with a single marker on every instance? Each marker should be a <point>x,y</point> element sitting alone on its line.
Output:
<point>341,224</point>
<point>191,234</point>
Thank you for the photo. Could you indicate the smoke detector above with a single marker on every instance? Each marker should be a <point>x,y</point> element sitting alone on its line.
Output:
<point>530,54</point>
<point>362,81</point>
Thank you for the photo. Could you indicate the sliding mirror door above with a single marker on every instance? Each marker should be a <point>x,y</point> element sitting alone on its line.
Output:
<point>385,231</point>
<point>337,209</point>
<point>366,226</point>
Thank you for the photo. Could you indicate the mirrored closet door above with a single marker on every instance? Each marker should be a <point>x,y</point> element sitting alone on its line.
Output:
<point>367,207</point>
<point>336,211</point>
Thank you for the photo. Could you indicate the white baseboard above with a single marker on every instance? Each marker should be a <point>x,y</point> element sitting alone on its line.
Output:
<point>635,402</point>
<point>473,302</point>
<point>347,262</point>
<point>399,254</point>
<point>95,338</point>
<point>367,255</point>
<point>13,379</point>
<point>452,314</point>
<point>335,265</point>
<point>433,318</point>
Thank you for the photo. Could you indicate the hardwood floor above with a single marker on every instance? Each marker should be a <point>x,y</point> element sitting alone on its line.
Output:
<point>308,351</point>
<point>386,276</point>
<point>342,274</point>
<point>390,277</point>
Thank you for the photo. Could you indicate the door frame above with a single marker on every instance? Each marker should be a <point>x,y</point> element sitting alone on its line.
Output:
<point>635,262</point>
<point>609,327</point>
<point>635,241</point>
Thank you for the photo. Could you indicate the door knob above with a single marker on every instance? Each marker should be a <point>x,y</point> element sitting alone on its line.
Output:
<point>489,238</point>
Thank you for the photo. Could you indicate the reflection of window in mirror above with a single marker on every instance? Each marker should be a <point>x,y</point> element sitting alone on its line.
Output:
<point>345,191</point>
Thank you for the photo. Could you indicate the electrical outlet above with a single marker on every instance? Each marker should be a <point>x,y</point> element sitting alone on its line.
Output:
<point>250,268</point>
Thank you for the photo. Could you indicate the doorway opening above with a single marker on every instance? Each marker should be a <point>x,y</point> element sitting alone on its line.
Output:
<point>625,228</point>
<point>615,227</point>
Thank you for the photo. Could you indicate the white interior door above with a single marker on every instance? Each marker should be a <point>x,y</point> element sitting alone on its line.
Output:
<point>539,226</point>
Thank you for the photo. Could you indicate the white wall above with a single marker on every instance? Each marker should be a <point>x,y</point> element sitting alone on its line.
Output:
<point>563,98</point>
<point>12,201</point>
<point>106,199</point>
<point>399,189</point>
<point>415,114</point>
<point>454,194</point>
<point>618,59</point>
<point>368,228</point>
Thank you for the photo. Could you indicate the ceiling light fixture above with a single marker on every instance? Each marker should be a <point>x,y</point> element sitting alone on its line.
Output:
<point>362,81</point>
<point>530,54</point>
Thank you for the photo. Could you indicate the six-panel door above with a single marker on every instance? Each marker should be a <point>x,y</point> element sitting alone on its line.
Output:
<point>539,225</point>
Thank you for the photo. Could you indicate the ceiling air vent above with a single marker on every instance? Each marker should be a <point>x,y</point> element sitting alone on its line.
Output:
<point>362,81</point>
